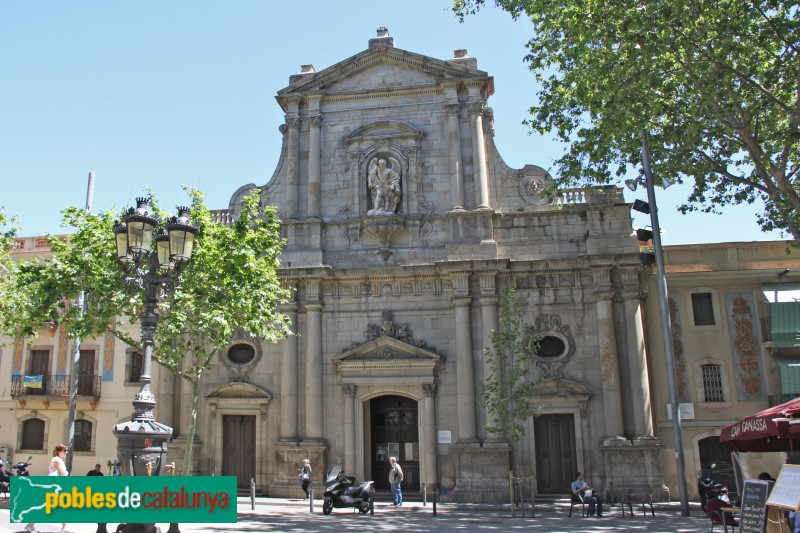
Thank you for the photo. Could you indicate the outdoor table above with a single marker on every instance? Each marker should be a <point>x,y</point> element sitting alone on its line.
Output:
<point>725,510</point>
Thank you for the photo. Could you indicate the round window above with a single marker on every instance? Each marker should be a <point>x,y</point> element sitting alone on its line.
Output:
<point>241,354</point>
<point>551,347</point>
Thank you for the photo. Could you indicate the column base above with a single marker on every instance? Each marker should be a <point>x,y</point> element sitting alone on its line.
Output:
<point>634,469</point>
<point>289,456</point>
<point>616,440</point>
<point>481,474</point>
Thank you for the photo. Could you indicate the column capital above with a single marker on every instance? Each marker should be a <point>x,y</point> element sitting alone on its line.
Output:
<point>489,301</point>
<point>349,390</point>
<point>603,296</point>
<point>429,389</point>
<point>292,122</point>
<point>462,301</point>
<point>476,108</point>
<point>452,109</point>
<point>315,121</point>
<point>634,295</point>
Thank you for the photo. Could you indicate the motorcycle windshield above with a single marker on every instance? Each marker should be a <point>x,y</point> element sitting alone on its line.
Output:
<point>332,475</point>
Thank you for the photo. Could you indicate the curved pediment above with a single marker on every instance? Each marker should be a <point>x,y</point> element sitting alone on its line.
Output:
<point>384,129</point>
<point>238,390</point>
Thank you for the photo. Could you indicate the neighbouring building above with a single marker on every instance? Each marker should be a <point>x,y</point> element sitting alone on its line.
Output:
<point>403,224</point>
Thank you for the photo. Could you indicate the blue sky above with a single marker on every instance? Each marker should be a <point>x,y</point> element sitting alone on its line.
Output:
<point>166,93</point>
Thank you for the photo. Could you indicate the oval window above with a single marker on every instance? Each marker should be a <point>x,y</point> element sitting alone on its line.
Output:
<point>551,347</point>
<point>241,354</point>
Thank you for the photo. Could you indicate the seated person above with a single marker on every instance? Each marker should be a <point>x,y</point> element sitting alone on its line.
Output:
<point>579,486</point>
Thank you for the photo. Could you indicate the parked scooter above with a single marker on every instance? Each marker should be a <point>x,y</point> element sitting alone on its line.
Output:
<point>342,491</point>
<point>5,479</point>
<point>710,489</point>
<point>22,467</point>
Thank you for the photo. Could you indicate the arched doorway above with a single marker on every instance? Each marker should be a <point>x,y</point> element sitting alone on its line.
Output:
<point>715,457</point>
<point>394,433</point>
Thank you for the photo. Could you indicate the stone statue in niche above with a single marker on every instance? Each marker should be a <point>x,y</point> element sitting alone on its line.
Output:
<point>383,179</point>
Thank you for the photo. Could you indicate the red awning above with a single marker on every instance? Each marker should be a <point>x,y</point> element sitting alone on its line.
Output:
<point>766,431</point>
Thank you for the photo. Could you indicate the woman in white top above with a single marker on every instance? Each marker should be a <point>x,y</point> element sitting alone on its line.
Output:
<point>55,468</point>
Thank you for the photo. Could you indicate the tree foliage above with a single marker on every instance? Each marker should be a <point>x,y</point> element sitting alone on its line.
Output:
<point>714,82</point>
<point>229,288</point>
<point>509,388</point>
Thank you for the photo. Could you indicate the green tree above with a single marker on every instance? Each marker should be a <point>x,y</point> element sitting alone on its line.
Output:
<point>230,286</point>
<point>508,390</point>
<point>714,82</point>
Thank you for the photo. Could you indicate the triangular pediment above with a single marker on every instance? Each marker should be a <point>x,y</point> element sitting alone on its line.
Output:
<point>381,68</point>
<point>385,349</point>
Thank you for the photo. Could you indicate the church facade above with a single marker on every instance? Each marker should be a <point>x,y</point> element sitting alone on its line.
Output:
<point>403,224</point>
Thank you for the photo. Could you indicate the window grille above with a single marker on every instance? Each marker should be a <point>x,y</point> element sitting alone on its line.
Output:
<point>712,383</point>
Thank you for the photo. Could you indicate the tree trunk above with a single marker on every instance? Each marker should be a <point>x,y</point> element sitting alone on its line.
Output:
<point>187,456</point>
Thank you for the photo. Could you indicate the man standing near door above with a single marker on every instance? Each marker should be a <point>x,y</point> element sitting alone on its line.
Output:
<point>395,478</point>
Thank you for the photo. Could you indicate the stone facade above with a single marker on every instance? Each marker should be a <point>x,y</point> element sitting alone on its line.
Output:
<point>396,203</point>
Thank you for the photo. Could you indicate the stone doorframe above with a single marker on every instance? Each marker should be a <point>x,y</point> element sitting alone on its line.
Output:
<point>388,366</point>
<point>562,397</point>
<point>239,399</point>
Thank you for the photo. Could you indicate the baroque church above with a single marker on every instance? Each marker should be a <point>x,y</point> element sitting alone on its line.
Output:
<point>403,224</point>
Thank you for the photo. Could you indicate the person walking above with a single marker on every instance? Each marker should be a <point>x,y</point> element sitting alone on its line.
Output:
<point>395,478</point>
<point>55,468</point>
<point>305,477</point>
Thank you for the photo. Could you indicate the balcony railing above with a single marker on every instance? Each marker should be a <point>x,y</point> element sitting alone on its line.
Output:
<point>55,386</point>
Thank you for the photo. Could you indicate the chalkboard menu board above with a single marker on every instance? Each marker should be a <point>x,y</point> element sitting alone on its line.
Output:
<point>753,517</point>
<point>787,488</point>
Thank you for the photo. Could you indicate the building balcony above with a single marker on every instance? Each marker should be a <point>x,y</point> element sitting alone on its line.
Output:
<point>55,387</point>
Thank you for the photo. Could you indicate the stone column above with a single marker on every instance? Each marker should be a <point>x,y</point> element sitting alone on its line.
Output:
<point>609,365</point>
<point>357,185</point>
<point>289,385</point>
<point>637,366</point>
<point>479,155</point>
<point>430,476</point>
<point>292,161</point>
<point>314,371</point>
<point>314,158</point>
<point>465,372</point>
<point>489,323</point>
<point>349,391</point>
<point>454,148</point>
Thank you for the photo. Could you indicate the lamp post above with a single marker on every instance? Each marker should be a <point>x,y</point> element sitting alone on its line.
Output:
<point>666,327</point>
<point>142,442</point>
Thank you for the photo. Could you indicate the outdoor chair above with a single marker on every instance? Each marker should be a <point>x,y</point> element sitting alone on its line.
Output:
<point>720,517</point>
<point>576,499</point>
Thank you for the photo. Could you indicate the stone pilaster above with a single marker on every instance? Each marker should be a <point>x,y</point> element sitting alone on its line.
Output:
<point>609,365</point>
<point>479,155</point>
<point>349,392</point>
<point>430,454</point>
<point>453,112</point>
<point>465,372</point>
<point>637,366</point>
<point>314,364</point>
<point>314,165</point>
<point>292,162</point>
<point>289,385</point>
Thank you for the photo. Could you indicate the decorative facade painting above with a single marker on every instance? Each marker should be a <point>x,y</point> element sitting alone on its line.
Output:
<point>677,348</point>
<point>746,346</point>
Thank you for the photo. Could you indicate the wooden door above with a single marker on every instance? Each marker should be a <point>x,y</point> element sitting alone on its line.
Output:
<point>239,448</point>
<point>86,373</point>
<point>556,461</point>
<point>395,432</point>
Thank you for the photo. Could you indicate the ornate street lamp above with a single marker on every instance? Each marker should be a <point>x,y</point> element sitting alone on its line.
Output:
<point>142,445</point>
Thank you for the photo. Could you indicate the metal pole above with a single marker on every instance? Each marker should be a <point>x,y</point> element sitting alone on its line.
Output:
<point>666,327</point>
<point>76,357</point>
<point>252,494</point>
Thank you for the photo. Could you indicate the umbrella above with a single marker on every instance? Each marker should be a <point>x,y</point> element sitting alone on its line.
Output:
<point>765,431</point>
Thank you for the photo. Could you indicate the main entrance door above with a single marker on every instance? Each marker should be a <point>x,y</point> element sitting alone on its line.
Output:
<point>556,460</point>
<point>395,433</point>
<point>239,448</point>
